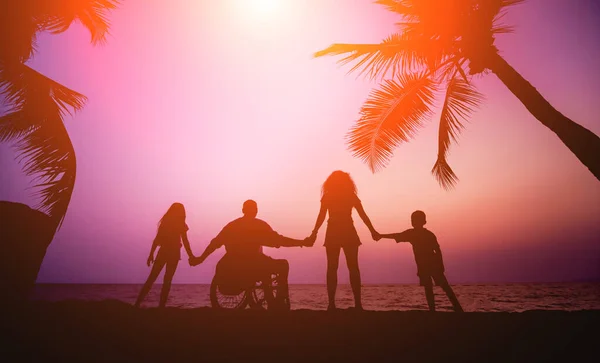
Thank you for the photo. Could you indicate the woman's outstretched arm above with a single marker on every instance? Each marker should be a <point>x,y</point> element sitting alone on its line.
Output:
<point>151,256</point>
<point>186,244</point>
<point>363,215</point>
<point>320,220</point>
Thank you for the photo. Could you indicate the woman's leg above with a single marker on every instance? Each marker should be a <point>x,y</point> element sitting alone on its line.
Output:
<point>351,254</point>
<point>333,259</point>
<point>156,268</point>
<point>166,287</point>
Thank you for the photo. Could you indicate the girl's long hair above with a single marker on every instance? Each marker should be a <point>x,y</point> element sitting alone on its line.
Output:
<point>339,184</point>
<point>174,216</point>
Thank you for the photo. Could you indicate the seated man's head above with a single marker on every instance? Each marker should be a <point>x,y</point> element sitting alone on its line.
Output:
<point>417,218</point>
<point>250,208</point>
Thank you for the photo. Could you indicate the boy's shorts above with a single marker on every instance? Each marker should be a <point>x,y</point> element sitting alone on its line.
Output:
<point>438,277</point>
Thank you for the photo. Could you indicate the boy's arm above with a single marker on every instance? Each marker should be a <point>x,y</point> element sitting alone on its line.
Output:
<point>399,237</point>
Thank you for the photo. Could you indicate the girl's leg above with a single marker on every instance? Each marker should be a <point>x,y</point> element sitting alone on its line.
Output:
<point>351,254</point>
<point>156,268</point>
<point>333,259</point>
<point>166,287</point>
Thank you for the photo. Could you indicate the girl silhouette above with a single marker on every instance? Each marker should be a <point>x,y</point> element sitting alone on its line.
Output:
<point>338,197</point>
<point>171,231</point>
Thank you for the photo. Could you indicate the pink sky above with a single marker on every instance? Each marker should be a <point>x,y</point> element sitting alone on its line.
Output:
<point>206,104</point>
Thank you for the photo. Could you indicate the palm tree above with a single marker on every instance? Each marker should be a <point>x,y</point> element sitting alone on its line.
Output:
<point>33,105</point>
<point>441,46</point>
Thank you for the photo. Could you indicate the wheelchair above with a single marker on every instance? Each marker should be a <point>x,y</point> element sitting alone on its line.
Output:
<point>233,287</point>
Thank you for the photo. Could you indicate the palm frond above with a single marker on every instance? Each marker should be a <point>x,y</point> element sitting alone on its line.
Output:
<point>450,69</point>
<point>498,27</point>
<point>14,125</point>
<point>398,52</point>
<point>18,32</point>
<point>507,3</point>
<point>460,102</point>
<point>401,7</point>
<point>57,16</point>
<point>390,116</point>
<point>35,124</point>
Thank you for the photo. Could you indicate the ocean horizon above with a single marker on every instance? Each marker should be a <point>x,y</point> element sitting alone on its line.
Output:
<point>475,297</point>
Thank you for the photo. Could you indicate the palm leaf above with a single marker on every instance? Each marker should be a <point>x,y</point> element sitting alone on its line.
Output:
<point>20,21</point>
<point>18,30</point>
<point>460,102</point>
<point>57,16</point>
<point>398,52</point>
<point>14,126</point>
<point>35,124</point>
<point>390,116</point>
<point>507,3</point>
<point>402,7</point>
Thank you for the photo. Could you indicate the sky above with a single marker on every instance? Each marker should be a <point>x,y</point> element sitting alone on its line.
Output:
<point>210,103</point>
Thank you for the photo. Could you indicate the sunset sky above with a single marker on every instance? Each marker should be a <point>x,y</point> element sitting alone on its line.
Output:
<point>210,103</point>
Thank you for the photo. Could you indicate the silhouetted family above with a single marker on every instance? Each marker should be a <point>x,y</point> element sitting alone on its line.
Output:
<point>244,238</point>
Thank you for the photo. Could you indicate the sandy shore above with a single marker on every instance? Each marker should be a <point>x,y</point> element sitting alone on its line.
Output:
<point>112,331</point>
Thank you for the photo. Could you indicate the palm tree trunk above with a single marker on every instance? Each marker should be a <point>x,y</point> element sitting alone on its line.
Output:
<point>581,141</point>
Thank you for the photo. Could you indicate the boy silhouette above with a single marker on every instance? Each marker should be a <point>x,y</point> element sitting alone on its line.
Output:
<point>428,257</point>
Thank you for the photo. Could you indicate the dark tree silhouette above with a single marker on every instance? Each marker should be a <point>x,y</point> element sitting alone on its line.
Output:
<point>33,105</point>
<point>441,45</point>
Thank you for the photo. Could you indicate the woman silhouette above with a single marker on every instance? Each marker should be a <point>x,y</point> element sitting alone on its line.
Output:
<point>338,197</point>
<point>171,231</point>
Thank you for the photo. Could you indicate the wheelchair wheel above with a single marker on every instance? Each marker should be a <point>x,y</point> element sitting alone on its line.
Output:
<point>259,300</point>
<point>227,298</point>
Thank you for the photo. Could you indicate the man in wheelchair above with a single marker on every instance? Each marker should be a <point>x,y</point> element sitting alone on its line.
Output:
<point>244,239</point>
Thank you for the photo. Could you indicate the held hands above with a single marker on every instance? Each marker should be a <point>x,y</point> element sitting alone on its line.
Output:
<point>376,236</point>
<point>310,240</point>
<point>194,261</point>
<point>307,242</point>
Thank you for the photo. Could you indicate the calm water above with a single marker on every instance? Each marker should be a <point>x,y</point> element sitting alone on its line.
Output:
<point>488,297</point>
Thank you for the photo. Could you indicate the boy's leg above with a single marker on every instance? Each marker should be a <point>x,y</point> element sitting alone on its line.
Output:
<point>442,282</point>
<point>428,285</point>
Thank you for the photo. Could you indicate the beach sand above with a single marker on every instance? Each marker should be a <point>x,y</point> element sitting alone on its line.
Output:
<point>112,331</point>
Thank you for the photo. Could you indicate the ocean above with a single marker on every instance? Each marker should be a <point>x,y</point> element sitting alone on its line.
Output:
<point>473,297</point>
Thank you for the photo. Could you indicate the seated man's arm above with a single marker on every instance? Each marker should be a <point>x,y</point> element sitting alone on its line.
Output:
<point>274,239</point>
<point>291,242</point>
<point>214,244</point>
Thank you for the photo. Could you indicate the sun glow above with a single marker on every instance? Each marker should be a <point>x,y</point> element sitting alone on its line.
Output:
<point>259,8</point>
